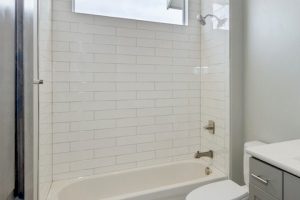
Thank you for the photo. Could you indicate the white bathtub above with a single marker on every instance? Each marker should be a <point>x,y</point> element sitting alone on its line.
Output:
<point>162,182</point>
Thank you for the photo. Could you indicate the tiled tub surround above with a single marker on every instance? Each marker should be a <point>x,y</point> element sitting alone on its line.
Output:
<point>215,84</point>
<point>125,93</point>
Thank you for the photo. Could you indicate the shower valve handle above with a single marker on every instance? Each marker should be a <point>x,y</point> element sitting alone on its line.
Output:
<point>38,82</point>
<point>210,127</point>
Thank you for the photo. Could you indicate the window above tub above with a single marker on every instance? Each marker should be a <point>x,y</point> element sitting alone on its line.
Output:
<point>163,11</point>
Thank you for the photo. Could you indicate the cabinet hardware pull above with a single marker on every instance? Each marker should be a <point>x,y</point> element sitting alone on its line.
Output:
<point>266,182</point>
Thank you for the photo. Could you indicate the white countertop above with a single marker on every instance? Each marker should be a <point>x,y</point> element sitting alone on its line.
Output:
<point>284,155</point>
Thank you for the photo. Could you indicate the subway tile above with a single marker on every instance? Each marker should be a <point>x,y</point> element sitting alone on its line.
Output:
<point>60,46</point>
<point>91,164</point>
<point>92,106</point>
<point>61,127</point>
<point>171,85</point>
<point>72,156</point>
<point>153,60</point>
<point>72,37</point>
<point>135,157</point>
<point>70,56</point>
<point>136,33</point>
<point>62,5</point>
<point>92,67</point>
<point>91,48</point>
<point>114,58</point>
<point>123,68</point>
<point>72,77</point>
<point>114,132</point>
<point>60,168</point>
<point>115,95</point>
<point>154,94</point>
<point>127,50</point>
<point>140,121</point>
<point>154,77</point>
<point>113,40</point>
<point>60,107</point>
<point>91,125</point>
<point>136,86</point>
<point>73,136</point>
<point>115,22</point>
<point>122,93</point>
<point>94,29</point>
<point>115,114</point>
<point>115,151</point>
<point>61,148</point>
<point>60,86</point>
<point>160,128</point>
<point>135,104</point>
<point>154,111</point>
<point>92,144</point>
<point>114,77</point>
<point>172,102</point>
<point>60,26</point>
<point>154,43</point>
<point>72,116</point>
<point>92,87</point>
<point>154,146</point>
<point>135,139</point>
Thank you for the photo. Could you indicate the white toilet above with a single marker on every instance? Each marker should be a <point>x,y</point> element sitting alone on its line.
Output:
<point>226,190</point>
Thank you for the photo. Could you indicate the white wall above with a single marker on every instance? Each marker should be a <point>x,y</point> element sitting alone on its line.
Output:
<point>236,90</point>
<point>215,86</point>
<point>7,99</point>
<point>126,93</point>
<point>45,98</point>
<point>272,46</point>
<point>267,47</point>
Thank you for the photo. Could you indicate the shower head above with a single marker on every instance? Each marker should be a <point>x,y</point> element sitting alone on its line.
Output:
<point>202,19</point>
<point>221,22</point>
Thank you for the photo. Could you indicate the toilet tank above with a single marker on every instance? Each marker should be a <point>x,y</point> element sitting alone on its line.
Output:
<point>247,158</point>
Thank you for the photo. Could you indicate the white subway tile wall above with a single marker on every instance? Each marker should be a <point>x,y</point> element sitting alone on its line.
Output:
<point>126,93</point>
<point>215,86</point>
<point>45,99</point>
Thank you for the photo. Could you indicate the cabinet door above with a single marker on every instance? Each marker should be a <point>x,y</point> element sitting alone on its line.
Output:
<point>266,177</point>
<point>291,187</point>
<point>258,194</point>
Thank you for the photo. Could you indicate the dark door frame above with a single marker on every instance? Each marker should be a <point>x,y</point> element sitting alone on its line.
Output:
<point>25,183</point>
<point>19,102</point>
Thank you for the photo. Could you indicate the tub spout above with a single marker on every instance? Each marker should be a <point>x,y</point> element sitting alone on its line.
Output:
<point>199,154</point>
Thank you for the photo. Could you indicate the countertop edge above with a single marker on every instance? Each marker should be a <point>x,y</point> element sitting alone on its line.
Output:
<point>275,163</point>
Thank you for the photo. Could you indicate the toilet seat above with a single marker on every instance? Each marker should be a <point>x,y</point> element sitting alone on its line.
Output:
<point>222,190</point>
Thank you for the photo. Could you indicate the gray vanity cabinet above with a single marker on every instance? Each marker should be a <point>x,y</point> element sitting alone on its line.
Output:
<point>266,177</point>
<point>291,187</point>
<point>270,183</point>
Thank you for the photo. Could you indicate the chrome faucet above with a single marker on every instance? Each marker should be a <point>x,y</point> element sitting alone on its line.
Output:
<point>199,154</point>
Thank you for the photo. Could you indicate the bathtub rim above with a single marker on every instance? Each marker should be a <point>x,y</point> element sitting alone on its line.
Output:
<point>216,175</point>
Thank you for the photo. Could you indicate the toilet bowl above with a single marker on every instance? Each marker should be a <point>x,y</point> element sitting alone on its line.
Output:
<point>226,190</point>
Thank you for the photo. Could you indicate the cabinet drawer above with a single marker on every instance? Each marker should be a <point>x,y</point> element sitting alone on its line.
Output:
<point>258,194</point>
<point>291,187</point>
<point>266,177</point>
